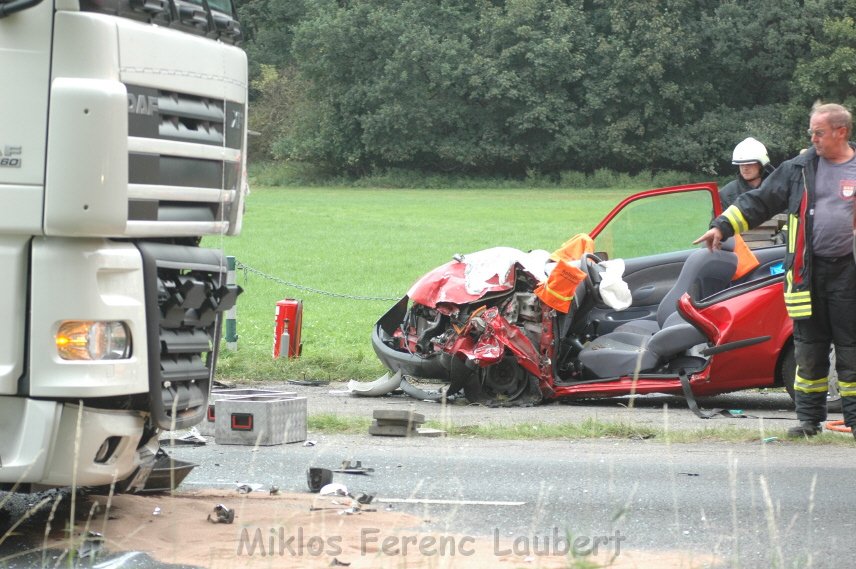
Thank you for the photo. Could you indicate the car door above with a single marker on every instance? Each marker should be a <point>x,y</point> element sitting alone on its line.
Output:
<point>652,231</point>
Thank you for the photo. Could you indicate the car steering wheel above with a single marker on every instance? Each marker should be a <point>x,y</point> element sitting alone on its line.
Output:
<point>590,264</point>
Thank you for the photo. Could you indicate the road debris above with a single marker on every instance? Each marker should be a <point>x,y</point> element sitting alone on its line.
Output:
<point>309,382</point>
<point>355,468</point>
<point>317,478</point>
<point>221,515</point>
<point>436,396</point>
<point>334,489</point>
<point>167,473</point>
<point>395,423</point>
<point>337,563</point>
<point>91,546</point>
<point>364,498</point>
<point>428,432</point>
<point>191,438</point>
<point>244,488</point>
<point>336,497</point>
<point>377,388</point>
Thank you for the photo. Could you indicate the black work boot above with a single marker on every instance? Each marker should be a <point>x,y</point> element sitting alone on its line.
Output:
<point>805,429</point>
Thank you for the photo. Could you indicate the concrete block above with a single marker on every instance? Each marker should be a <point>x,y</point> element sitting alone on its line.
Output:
<point>391,430</point>
<point>399,415</point>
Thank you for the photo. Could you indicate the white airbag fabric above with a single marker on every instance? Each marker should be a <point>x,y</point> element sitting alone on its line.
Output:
<point>613,289</point>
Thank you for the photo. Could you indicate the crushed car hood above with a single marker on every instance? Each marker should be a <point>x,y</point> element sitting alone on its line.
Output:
<point>478,274</point>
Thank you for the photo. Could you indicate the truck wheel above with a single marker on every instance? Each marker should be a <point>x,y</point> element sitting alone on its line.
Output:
<point>787,373</point>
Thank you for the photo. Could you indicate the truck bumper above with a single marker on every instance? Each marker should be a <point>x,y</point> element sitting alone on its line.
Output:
<point>55,444</point>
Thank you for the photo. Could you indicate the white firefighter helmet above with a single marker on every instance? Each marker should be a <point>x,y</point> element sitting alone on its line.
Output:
<point>748,151</point>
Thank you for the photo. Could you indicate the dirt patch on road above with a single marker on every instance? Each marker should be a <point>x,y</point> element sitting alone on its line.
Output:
<point>306,531</point>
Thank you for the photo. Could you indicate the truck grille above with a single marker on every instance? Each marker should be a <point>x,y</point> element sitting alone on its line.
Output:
<point>186,295</point>
<point>184,163</point>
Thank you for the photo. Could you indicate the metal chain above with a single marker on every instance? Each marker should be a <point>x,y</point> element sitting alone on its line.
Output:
<point>249,269</point>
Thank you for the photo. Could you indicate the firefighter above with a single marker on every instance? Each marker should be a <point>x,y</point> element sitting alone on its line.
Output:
<point>750,156</point>
<point>816,188</point>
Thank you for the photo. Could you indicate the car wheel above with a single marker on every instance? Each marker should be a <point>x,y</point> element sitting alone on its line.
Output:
<point>504,383</point>
<point>787,372</point>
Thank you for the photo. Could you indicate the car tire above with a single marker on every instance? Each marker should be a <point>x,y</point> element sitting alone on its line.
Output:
<point>787,373</point>
<point>788,369</point>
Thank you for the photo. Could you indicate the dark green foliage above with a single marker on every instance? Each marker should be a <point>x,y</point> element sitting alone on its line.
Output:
<point>526,88</point>
<point>267,26</point>
<point>828,72</point>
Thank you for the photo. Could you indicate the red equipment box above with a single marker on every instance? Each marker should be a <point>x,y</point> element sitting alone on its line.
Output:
<point>289,321</point>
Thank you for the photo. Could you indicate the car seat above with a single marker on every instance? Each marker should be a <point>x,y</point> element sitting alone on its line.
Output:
<point>704,273</point>
<point>642,345</point>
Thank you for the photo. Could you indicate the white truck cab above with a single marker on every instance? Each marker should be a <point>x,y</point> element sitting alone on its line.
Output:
<point>122,137</point>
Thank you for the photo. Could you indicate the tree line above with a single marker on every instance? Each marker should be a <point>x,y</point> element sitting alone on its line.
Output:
<point>521,86</point>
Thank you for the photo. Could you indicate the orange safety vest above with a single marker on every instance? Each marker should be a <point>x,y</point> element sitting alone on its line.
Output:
<point>558,290</point>
<point>746,259</point>
<point>574,248</point>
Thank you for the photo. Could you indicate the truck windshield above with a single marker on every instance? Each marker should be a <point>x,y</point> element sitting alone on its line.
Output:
<point>224,6</point>
<point>214,18</point>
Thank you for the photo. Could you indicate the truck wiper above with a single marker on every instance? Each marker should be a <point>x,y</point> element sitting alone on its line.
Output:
<point>10,8</point>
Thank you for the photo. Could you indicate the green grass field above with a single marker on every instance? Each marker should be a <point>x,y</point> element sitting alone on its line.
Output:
<point>372,242</point>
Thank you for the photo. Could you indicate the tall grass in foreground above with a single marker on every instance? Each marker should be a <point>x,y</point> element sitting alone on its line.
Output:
<point>372,242</point>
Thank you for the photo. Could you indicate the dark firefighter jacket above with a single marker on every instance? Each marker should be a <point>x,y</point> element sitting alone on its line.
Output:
<point>791,188</point>
<point>733,190</point>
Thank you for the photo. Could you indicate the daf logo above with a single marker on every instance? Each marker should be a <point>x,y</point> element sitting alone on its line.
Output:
<point>142,104</point>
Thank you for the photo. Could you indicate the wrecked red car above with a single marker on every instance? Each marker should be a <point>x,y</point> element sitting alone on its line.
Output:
<point>678,313</point>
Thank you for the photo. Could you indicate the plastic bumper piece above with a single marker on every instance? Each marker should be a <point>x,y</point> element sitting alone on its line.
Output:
<point>44,441</point>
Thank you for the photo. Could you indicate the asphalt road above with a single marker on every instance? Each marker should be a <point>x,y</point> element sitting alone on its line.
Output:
<point>750,504</point>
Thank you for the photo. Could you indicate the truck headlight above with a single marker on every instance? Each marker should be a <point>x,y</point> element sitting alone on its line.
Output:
<point>89,340</point>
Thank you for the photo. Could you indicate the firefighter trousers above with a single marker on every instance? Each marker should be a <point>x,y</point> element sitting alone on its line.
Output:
<point>832,323</point>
